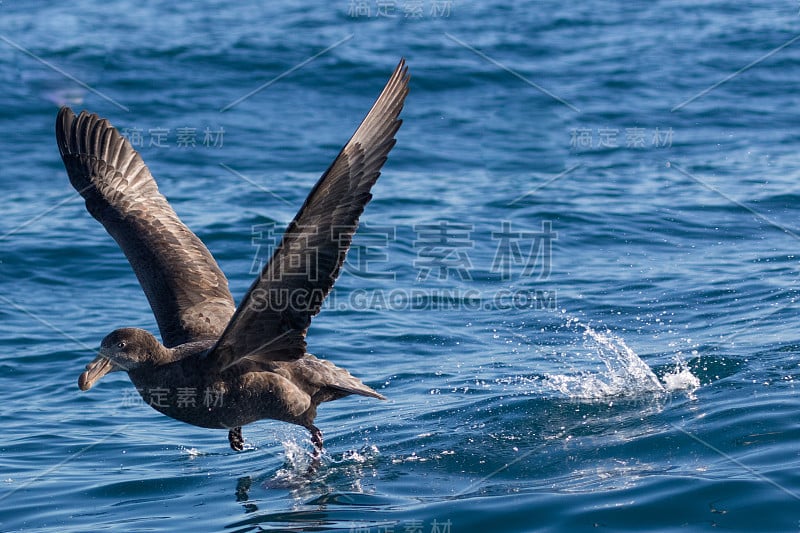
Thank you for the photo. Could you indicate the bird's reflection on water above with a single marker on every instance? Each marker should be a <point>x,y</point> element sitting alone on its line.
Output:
<point>243,494</point>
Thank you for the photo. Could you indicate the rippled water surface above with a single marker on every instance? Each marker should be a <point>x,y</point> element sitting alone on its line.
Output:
<point>576,283</point>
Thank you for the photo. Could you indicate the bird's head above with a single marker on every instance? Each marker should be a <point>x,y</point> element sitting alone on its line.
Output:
<point>123,349</point>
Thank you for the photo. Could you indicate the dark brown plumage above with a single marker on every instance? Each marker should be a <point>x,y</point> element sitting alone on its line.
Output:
<point>247,363</point>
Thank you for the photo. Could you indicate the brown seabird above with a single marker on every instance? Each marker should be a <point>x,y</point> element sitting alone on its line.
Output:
<point>222,366</point>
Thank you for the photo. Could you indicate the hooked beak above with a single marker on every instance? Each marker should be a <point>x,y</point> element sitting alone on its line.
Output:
<point>99,367</point>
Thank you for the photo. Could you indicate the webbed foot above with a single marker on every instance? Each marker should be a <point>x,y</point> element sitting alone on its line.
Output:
<point>316,439</point>
<point>235,439</point>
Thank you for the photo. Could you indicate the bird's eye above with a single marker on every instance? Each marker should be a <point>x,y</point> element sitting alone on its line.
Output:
<point>121,344</point>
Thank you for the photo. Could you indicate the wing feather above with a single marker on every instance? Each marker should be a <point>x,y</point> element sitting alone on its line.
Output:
<point>271,321</point>
<point>187,291</point>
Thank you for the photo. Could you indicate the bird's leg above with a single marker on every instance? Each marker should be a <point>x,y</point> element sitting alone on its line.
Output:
<point>235,439</point>
<point>316,439</point>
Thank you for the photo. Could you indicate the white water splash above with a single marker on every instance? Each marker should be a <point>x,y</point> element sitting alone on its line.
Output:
<point>625,374</point>
<point>193,453</point>
<point>681,378</point>
<point>362,456</point>
<point>295,473</point>
<point>295,467</point>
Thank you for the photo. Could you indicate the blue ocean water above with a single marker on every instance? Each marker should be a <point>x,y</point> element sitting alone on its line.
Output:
<point>576,283</point>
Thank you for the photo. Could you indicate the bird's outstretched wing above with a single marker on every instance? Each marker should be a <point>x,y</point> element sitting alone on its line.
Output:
<point>271,321</point>
<point>186,289</point>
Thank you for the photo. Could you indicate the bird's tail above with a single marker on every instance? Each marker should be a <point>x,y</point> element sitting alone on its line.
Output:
<point>333,382</point>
